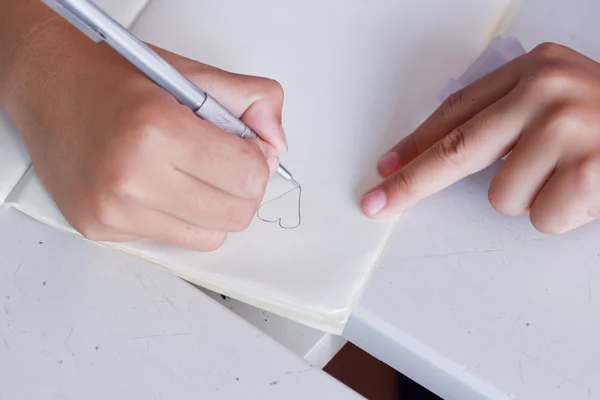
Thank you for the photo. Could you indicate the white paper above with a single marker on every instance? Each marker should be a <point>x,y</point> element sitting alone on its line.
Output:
<point>14,158</point>
<point>357,77</point>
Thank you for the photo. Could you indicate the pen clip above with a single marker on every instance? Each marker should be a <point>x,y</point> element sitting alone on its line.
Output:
<point>74,20</point>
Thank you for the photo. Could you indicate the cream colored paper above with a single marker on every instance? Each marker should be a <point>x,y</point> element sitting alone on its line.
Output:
<point>14,159</point>
<point>357,76</point>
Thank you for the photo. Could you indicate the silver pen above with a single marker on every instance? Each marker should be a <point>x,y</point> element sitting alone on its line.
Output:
<point>99,26</point>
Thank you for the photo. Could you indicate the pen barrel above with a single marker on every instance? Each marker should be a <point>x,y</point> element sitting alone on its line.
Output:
<point>212,111</point>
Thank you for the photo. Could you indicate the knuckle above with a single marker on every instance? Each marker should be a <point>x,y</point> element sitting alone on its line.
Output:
<point>147,126</point>
<point>255,174</point>
<point>544,81</point>
<point>243,216</point>
<point>586,175</point>
<point>255,181</point>
<point>411,146</point>
<point>95,221</point>
<point>273,90</point>
<point>403,183</point>
<point>451,105</point>
<point>121,183</point>
<point>451,148</point>
<point>563,123</point>
<point>548,51</point>
<point>105,214</point>
<point>552,79</point>
<point>262,89</point>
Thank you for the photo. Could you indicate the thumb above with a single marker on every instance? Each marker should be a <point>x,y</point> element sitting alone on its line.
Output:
<point>264,113</point>
<point>268,152</point>
<point>258,102</point>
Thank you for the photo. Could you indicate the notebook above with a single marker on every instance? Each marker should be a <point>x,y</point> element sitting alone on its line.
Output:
<point>357,77</point>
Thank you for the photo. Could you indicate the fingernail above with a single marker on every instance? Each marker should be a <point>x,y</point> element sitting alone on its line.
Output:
<point>273,162</point>
<point>374,202</point>
<point>389,163</point>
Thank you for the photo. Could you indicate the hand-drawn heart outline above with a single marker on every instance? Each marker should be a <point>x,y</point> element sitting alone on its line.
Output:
<point>279,220</point>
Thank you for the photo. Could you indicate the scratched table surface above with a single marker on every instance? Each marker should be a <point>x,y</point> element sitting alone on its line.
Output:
<point>468,303</point>
<point>474,305</point>
<point>80,321</point>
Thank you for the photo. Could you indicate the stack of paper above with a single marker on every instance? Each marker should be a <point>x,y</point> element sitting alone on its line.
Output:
<point>357,77</point>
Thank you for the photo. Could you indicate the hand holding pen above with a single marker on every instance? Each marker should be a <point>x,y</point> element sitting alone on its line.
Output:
<point>120,156</point>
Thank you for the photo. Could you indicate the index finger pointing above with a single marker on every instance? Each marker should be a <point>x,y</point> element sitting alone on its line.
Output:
<point>467,149</point>
<point>456,110</point>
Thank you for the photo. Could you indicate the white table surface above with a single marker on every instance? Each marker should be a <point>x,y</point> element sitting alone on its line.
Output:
<point>474,305</point>
<point>79,321</point>
<point>471,304</point>
<point>315,346</point>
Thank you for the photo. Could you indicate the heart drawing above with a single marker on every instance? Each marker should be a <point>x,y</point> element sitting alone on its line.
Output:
<point>283,209</point>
